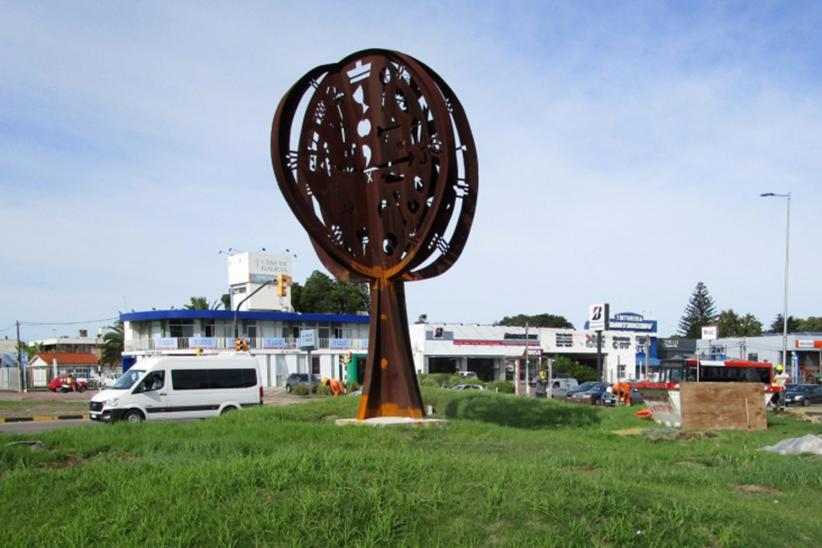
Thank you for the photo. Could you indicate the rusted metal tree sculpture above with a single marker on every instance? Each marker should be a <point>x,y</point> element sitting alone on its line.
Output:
<point>383,176</point>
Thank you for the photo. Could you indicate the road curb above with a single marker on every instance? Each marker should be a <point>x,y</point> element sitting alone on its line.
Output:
<point>43,418</point>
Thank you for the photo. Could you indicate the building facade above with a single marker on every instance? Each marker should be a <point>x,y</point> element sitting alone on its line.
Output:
<point>272,338</point>
<point>492,351</point>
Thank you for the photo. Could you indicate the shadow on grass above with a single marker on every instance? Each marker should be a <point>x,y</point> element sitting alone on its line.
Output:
<point>519,412</point>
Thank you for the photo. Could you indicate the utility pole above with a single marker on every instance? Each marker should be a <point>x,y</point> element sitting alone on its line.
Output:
<point>647,356</point>
<point>20,359</point>
<point>527,377</point>
<point>599,354</point>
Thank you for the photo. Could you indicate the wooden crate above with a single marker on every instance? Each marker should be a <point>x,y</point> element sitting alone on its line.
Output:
<point>723,405</point>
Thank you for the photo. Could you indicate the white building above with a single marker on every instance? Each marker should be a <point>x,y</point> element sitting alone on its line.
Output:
<point>272,338</point>
<point>492,351</point>
<point>249,272</point>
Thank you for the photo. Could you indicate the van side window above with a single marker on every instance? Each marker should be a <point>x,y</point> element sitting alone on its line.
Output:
<point>213,379</point>
<point>153,381</point>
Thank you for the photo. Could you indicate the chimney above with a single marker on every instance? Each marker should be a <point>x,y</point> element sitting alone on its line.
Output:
<point>83,333</point>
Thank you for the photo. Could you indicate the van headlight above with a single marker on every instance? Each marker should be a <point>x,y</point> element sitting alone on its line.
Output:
<point>114,402</point>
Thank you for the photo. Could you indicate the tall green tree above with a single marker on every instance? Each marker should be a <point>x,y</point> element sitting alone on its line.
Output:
<point>794,324</point>
<point>699,312</point>
<point>811,323</point>
<point>730,324</point>
<point>225,300</point>
<point>536,320</point>
<point>112,348</point>
<point>321,293</point>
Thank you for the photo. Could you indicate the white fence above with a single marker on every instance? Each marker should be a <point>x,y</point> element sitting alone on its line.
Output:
<point>10,378</point>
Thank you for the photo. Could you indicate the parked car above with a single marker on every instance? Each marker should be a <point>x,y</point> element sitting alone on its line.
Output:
<point>300,378</point>
<point>581,388</point>
<point>468,387</point>
<point>803,394</point>
<point>592,395</point>
<point>61,384</point>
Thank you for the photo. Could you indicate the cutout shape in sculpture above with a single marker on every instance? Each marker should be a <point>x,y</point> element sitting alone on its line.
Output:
<point>382,173</point>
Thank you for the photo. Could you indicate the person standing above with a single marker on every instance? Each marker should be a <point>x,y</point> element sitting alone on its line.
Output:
<point>779,380</point>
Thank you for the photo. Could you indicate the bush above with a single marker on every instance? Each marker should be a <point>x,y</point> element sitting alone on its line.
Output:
<point>351,387</point>
<point>566,367</point>
<point>322,390</point>
<point>444,380</point>
<point>301,390</point>
<point>508,410</point>
<point>503,387</point>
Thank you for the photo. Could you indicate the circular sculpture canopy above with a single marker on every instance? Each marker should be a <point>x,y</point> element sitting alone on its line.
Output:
<point>382,174</point>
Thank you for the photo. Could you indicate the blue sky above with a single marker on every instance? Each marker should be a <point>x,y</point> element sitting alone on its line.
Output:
<point>622,150</point>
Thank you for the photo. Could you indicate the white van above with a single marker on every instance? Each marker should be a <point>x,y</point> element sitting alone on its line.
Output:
<point>180,387</point>
<point>561,386</point>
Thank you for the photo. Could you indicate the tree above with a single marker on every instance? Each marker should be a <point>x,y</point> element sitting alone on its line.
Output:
<point>225,300</point>
<point>794,324</point>
<point>811,323</point>
<point>321,293</point>
<point>699,312</point>
<point>732,325</point>
<point>536,320</point>
<point>566,367</point>
<point>112,348</point>
<point>29,349</point>
<point>296,296</point>
<point>197,303</point>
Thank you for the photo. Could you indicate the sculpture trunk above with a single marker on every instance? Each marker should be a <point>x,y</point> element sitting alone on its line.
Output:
<point>390,385</point>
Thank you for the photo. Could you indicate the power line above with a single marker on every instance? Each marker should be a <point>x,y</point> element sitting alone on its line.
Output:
<point>70,323</point>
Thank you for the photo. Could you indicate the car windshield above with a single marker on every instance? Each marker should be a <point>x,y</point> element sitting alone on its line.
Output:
<point>128,379</point>
<point>585,386</point>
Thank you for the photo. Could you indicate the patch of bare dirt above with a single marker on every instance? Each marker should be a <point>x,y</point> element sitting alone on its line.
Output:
<point>757,489</point>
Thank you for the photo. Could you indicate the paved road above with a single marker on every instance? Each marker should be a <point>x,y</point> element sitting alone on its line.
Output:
<point>41,426</point>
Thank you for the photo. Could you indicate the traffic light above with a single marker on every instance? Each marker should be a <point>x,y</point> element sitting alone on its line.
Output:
<point>283,282</point>
<point>245,345</point>
<point>241,345</point>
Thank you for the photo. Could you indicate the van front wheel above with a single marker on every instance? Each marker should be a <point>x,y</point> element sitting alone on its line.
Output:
<point>133,416</point>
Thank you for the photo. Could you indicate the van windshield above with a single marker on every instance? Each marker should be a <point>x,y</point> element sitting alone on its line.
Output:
<point>128,379</point>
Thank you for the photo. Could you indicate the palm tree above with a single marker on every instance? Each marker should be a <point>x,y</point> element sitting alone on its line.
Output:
<point>197,303</point>
<point>112,348</point>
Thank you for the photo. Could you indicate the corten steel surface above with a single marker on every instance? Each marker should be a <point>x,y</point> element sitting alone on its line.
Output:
<point>383,176</point>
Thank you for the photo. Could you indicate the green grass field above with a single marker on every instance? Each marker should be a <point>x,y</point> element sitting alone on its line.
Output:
<point>502,471</point>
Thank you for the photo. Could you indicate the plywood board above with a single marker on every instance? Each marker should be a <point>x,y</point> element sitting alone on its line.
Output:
<point>723,405</point>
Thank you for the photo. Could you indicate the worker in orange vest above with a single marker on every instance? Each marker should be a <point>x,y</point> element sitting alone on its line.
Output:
<point>625,390</point>
<point>337,389</point>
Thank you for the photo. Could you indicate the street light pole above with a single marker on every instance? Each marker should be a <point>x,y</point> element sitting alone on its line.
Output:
<point>237,308</point>
<point>787,256</point>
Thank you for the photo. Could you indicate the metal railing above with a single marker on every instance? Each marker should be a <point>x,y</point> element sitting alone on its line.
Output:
<point>161,344</point>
